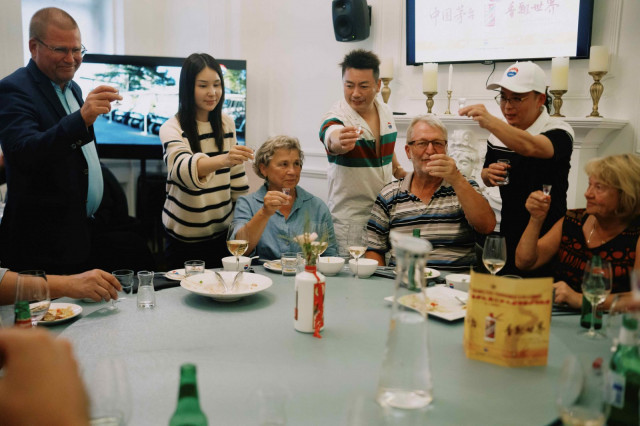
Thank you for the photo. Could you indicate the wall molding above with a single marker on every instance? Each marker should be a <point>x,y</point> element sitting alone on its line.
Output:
<point>612,27</point>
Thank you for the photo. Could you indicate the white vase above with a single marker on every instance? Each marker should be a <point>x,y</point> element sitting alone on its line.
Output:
<point>309,310</point>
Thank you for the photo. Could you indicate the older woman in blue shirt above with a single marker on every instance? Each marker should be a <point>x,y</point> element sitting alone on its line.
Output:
<point>269,218</point>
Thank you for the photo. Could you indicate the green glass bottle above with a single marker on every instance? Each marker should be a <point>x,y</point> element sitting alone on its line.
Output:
<point>585,315</point>
<point>188,412</point>
<point>23,314</point>
<point>586,311</point>
<point>625,377</point>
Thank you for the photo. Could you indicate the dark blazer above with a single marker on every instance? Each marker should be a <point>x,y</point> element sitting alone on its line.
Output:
<point>45,222</point>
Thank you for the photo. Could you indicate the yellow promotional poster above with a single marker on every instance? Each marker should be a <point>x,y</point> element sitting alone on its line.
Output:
<point>508,320</point>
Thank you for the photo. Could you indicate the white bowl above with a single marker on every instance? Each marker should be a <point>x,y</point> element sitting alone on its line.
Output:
<point>330,266</point>
<point>229,263</point>
<point>366,267</point>
<point>458,281</point>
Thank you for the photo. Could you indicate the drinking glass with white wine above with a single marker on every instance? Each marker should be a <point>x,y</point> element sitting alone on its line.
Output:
<point>320,245</point>
<point>236,243</point>
<point>596,286</point>
<point>494,254</point>
<point>356,241</point>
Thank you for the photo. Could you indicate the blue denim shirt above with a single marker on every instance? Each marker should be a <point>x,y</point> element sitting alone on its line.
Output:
<point>278,234</point>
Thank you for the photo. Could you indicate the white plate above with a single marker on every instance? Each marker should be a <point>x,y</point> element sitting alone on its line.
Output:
<point>77,310</point>
<point>273,265</point>
<point>446,305</point>
<point>429,273</point>
<point>176,274</point>
<point>207,285</point>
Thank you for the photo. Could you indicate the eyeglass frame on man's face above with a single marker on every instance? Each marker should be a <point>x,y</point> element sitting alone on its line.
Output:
<point>421,145</point>
<point>514,101</point>
<point>64,51</point>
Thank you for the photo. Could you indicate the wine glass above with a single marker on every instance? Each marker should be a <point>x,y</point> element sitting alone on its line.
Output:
<point>109,392</point>
<point>320,245</point>
<point>32,288</point>
<point>357,243</point>
<point>596,286</point>
<point>125,277</point>
<point>581,396</point>
<point>236,243</point>
<point>494,254</point>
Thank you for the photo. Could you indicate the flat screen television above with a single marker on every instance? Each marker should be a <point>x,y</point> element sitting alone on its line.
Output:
<point>450,31</point>
<point>149,87</point>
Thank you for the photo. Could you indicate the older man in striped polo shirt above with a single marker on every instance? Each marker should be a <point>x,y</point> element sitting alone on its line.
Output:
<point>435,198</point>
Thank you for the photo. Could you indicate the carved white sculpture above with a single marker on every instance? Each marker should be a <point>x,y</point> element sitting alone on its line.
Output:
<point>468,153</point>
<point>464,149</point>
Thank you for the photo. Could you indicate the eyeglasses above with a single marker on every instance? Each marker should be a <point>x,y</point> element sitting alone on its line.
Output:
<point>64,51</point>
<point>514,100</point>
<point>438,145</point>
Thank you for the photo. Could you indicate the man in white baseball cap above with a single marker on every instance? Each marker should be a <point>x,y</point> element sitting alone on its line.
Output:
<point>537,146</point>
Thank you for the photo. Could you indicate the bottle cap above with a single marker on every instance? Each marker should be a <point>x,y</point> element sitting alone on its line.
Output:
<point>401,242</point>
<point>597,363</point>
<point>188,368</point>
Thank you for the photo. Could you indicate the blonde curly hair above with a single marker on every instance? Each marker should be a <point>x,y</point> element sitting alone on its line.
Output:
<point>623,173</point>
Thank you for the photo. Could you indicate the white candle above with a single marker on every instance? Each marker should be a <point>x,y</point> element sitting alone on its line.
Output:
<point>598,58</point>
<point>560,73</point>
<point>430,77</point>
<point>386,68</point>
<point>450,77</point>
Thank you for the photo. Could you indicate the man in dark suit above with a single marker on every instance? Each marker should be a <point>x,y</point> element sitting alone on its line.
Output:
<point>53,172</point>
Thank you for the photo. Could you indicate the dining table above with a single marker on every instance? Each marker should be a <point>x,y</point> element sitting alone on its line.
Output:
<point>249,346</point>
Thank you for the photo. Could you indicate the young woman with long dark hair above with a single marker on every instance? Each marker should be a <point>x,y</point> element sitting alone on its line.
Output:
<point>205,167</point>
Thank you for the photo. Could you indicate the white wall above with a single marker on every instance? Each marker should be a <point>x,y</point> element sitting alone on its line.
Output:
<point>10,37</point>
<point>292,55</point>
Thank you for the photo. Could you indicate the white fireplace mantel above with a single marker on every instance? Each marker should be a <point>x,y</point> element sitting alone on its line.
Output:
<point>590,132</point>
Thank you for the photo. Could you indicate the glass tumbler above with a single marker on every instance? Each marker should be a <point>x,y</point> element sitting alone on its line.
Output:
<point>146,292</point>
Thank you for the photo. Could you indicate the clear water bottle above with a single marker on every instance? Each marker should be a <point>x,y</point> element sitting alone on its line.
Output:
<point>405,376</point>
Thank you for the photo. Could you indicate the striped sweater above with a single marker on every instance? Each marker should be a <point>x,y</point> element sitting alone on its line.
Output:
<point>199,209</point>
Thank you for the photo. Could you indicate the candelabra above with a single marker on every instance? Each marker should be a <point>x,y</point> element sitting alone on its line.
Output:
<point>557,102</point>
<point>448,111</point>
<point>429,96</point>
<point>596,91</point>
<point>386,91</point>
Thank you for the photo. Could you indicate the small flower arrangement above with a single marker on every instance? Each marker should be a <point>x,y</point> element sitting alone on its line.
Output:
<point>312,244</point>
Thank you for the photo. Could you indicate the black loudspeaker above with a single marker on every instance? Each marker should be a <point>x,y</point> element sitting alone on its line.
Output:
<point>351,19</point>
